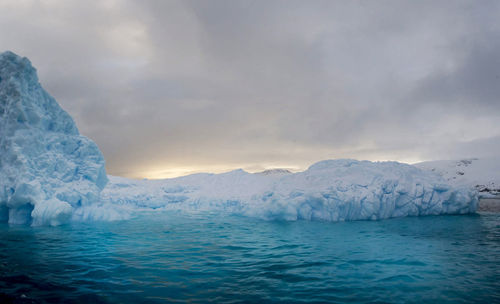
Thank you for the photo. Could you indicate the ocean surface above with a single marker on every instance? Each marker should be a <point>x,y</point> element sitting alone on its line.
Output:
<point>178,257</point>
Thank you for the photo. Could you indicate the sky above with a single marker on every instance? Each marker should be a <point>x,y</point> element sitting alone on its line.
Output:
<point>168,88</point>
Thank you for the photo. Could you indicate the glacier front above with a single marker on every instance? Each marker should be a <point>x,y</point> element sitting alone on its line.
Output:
<point>331,190</point>
<point>48,171</point>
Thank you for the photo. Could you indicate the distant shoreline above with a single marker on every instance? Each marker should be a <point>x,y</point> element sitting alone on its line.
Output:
<point>489,204</point>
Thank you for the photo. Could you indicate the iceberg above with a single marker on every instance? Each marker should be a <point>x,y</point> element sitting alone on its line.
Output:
<point>331,190</point>
<point>47,169</point>
<point>50,175</point>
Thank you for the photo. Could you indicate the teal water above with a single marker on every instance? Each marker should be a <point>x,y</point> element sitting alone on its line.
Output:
<point>175,257</point>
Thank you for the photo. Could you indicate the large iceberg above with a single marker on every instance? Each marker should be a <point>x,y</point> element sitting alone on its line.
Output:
<point>50,174</point>
<point>48,171</point>
<point>331,190</point>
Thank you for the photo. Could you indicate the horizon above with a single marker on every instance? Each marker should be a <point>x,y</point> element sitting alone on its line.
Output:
<point>168,89</point>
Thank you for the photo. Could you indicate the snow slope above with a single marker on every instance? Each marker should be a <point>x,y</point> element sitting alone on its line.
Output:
<point>48,172</point>
<point>331,190</point>
<point>480,173</point>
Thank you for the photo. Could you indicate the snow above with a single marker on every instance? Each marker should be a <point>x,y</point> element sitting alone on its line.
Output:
<point>480,173</point>
<point>277,171</point>
<point>331,190</point>
<point>50,175</point>
<point>47,169</point>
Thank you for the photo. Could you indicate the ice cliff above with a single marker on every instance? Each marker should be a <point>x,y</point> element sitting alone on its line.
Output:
<point>331,190</point>
<point>49,173</point>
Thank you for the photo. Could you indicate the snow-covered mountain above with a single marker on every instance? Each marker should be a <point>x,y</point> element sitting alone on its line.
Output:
<point>277,171</point>
<point>480,173</point>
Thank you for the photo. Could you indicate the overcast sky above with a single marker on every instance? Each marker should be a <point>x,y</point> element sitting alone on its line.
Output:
<point>167,88</point>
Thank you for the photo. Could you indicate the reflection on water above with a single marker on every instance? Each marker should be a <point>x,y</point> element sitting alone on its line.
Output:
<point>162,257</point>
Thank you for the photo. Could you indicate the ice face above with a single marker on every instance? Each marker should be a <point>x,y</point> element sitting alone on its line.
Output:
<point>332,190</point>
<point>47,169</point>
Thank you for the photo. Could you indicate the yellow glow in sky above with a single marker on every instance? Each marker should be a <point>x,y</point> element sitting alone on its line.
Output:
<point>165,171</point>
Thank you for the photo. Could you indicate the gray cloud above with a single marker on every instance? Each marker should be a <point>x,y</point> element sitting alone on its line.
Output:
<point>212,85</point>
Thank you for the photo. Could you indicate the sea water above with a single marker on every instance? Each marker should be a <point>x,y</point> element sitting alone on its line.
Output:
<point>177,257</point>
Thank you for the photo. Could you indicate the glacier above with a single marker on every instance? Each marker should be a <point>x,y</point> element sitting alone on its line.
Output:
<point>51,175</point>
<point>47,169</point>
<point>330,190</point>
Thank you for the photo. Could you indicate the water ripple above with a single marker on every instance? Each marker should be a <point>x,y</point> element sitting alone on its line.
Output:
<point>172,257</point>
